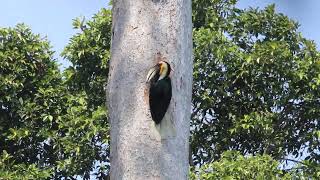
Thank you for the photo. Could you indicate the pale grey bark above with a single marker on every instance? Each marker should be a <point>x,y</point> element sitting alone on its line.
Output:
<point>142,31</point>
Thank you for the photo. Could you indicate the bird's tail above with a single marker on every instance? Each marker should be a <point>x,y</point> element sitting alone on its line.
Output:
<point>166,128</point>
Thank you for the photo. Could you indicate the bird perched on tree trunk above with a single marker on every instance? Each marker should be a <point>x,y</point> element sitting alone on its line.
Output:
<point>160,91</point>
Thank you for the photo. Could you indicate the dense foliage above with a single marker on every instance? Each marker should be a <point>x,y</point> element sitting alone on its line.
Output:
<point>45,130</point>
<point>256,93</point>
<point>233,165</point>
<point>89,53</point>
<point>256,86</point>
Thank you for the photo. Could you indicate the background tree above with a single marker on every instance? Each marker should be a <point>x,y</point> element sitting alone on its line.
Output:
<point>256,85</point>
<point>27,73</point>
<point>232,165</point>
<point>89,53</point>
<point>45,130</point>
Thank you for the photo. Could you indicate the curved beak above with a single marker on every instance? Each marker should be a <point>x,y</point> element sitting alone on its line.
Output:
<point>172,70</point>
<point>152,72</point>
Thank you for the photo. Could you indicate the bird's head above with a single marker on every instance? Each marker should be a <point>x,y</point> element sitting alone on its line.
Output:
<point>161,70</point>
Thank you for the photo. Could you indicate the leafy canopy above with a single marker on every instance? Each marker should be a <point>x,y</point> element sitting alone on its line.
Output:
<point>256,86</point>
<point>46,131</point>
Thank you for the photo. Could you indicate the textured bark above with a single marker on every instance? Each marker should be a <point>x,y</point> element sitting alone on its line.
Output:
<point>145,31</point>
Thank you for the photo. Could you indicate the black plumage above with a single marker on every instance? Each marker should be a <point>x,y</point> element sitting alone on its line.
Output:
<point>160,91</point>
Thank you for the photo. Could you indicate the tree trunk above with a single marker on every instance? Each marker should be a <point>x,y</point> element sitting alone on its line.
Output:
<point>143,32</point>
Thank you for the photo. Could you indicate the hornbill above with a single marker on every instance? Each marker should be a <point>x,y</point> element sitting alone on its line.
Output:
<point>160,91</point>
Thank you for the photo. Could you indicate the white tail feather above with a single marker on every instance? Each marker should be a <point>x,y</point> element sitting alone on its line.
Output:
<point>167,128</point>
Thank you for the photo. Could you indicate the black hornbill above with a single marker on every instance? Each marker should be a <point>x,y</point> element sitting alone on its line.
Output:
<point>160,91</point>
